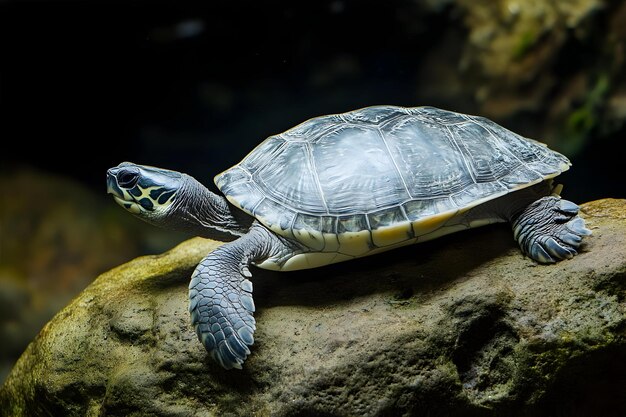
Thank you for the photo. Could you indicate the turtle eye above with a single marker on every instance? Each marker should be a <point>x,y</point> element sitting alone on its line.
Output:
<point>127,178</point>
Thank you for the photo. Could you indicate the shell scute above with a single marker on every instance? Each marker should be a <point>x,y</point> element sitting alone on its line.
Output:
<point>289,178</point>
<point>385,218</point>
<point>373,115</point>
<point>275,216</point>
<point>433,114</point>
<point>312,128</point>
<point>354,223</point>
<point>262,154</point>
<point>475,192</point>
<point>426,158</point>
<point>487,158</point>
<point>355,170</point>
<point>419,209</point>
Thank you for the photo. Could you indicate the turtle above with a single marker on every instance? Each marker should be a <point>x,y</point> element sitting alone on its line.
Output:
<point>342,186</point>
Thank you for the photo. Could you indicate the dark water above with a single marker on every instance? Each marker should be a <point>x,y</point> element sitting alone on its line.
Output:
<point>194,86</point>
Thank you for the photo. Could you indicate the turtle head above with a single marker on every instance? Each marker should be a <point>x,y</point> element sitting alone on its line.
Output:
<point>175,201</point>
<point>146,192</point>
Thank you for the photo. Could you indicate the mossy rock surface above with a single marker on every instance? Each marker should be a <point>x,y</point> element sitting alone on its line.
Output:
<point>464,325</point>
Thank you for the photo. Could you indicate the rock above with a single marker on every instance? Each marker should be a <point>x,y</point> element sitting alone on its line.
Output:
<point>463,325</point>
<point>513,42</point>
<point>57,235</point>
<point>547,70</point>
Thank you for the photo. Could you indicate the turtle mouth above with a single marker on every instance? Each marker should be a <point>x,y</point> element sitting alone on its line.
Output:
<point>121,201</point>
<point>130,205</point>
<point>112,187</point>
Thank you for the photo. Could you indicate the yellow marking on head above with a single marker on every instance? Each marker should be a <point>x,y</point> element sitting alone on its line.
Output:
<point>132,202</point>
<point>145,193</point>
<point>129,205</point>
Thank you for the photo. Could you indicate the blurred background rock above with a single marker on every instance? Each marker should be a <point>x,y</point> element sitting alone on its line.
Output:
<point>194,86</point>
<point>57,236</point>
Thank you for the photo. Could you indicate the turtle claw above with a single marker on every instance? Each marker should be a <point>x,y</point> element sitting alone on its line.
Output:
<point>577,226</point>
<point>571,239</point>
<point>549,230</point>
<point>567,207</point>
<point>558,250</point>
<point>247,335</point>
<point>539,254</point>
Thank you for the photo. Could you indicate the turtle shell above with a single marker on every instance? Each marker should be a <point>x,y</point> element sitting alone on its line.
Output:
<point>381,176</point>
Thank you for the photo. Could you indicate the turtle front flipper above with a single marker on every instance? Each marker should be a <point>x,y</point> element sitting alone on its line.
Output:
<point>220,295</point>
<point>549,229</point>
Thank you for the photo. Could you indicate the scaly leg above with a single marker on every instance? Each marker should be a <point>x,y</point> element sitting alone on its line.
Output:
<point>220,294</point>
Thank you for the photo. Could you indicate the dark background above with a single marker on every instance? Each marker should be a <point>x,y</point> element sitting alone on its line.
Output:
<point>194,86</point>
<point>188,86</point>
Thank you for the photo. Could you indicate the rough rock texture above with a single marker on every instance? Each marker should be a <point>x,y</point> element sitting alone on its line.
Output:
<point>56,236</point>
<point>463,325</point>
<point>549,70</point>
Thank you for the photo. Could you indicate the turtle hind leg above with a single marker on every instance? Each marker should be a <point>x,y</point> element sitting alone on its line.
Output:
<point>549,229</point>
<point>220,295</point>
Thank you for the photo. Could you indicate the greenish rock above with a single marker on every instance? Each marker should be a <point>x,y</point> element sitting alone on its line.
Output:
<point>502,32</point>
<point>56,236</point>
<point>549,70</point>
<point>460,326</point>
